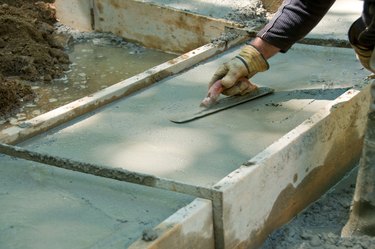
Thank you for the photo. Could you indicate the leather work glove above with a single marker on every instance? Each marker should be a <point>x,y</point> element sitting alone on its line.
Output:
<point>232,73</point>
<point>362,39</point>
<point>366,56</point>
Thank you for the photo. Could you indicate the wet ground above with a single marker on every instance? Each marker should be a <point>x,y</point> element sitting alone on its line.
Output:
<point>97,61</point>
<point>33,81</point>
<point>30,51</point>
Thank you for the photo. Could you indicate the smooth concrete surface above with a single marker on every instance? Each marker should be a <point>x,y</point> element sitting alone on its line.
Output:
<point>135,133</point>
<point>335,24</point>
<point>214,8</point>
<point>43,207</point>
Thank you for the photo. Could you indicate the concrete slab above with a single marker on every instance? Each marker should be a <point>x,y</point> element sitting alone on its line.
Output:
<point>135,133</point>
<point>43,207</point>
<point>214,8</point>
<point>336,23</point>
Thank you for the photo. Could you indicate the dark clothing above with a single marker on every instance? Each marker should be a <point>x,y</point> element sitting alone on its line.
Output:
<point>296,18</point>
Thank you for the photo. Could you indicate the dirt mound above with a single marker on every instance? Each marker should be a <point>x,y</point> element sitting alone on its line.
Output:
<point>29,50</point>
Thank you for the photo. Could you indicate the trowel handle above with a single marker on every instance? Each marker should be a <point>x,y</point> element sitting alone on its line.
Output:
<point>213,94</point>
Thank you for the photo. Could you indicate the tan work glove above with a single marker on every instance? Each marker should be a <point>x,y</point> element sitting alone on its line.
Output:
<point>366,57</point>
<point>360,38</point>
<point>245,65</point>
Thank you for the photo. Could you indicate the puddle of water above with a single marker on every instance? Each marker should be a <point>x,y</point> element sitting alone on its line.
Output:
<point>96,64</point>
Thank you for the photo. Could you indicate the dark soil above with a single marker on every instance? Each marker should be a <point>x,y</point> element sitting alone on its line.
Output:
<point>30,50</point>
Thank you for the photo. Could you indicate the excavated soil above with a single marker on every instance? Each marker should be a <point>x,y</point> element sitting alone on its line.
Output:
<point>30,51</point>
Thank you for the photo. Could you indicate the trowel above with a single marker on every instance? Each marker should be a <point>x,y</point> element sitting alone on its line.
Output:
<point>212,104</point>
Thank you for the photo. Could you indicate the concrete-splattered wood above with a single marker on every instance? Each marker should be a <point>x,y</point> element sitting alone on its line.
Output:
<point>189,227</point>
<point>291,173</point>
<point>107,172</point>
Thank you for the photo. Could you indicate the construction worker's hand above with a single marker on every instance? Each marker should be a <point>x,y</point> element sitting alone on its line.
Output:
<point>362,41</point>
<point>233,74</point>
<point>366,56</point>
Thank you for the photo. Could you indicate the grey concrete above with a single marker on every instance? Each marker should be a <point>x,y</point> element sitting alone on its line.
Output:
<point>135,133</point>
<point>336,23</point>
<point>43,207</point>
<point>214,8</point>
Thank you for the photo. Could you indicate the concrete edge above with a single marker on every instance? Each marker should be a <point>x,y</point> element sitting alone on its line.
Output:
<point>177,31</point>
<point>75,13</point>
<point>189,227</point>
<point>152,25</point>
<point>292,172</point>
<point>46,121</point>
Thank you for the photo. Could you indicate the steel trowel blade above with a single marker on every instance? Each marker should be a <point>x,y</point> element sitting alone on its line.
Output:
<point>223,104</point>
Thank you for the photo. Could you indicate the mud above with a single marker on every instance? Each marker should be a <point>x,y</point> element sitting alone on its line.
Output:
<point>30,50</point>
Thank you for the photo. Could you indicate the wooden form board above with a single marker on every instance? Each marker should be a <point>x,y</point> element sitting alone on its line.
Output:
<point>153,26</point>
<point>190,227</point>
<point>291,173</point>
<point>157,27</point>
<point>75,13</point>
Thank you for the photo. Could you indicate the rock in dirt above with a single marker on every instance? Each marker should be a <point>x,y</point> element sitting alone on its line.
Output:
<point>149,235</point>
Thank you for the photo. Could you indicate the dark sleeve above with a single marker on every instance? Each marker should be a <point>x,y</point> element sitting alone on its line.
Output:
<point>294,20</point>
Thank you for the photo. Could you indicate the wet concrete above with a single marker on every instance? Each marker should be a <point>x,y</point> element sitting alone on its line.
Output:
<point>43,207</point>
<point>334,25</point>
<point>135,133</point>
<point>213,8</point>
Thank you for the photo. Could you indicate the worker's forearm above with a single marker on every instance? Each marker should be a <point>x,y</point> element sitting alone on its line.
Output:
<point>293,20</point>
<point>265,48</point>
